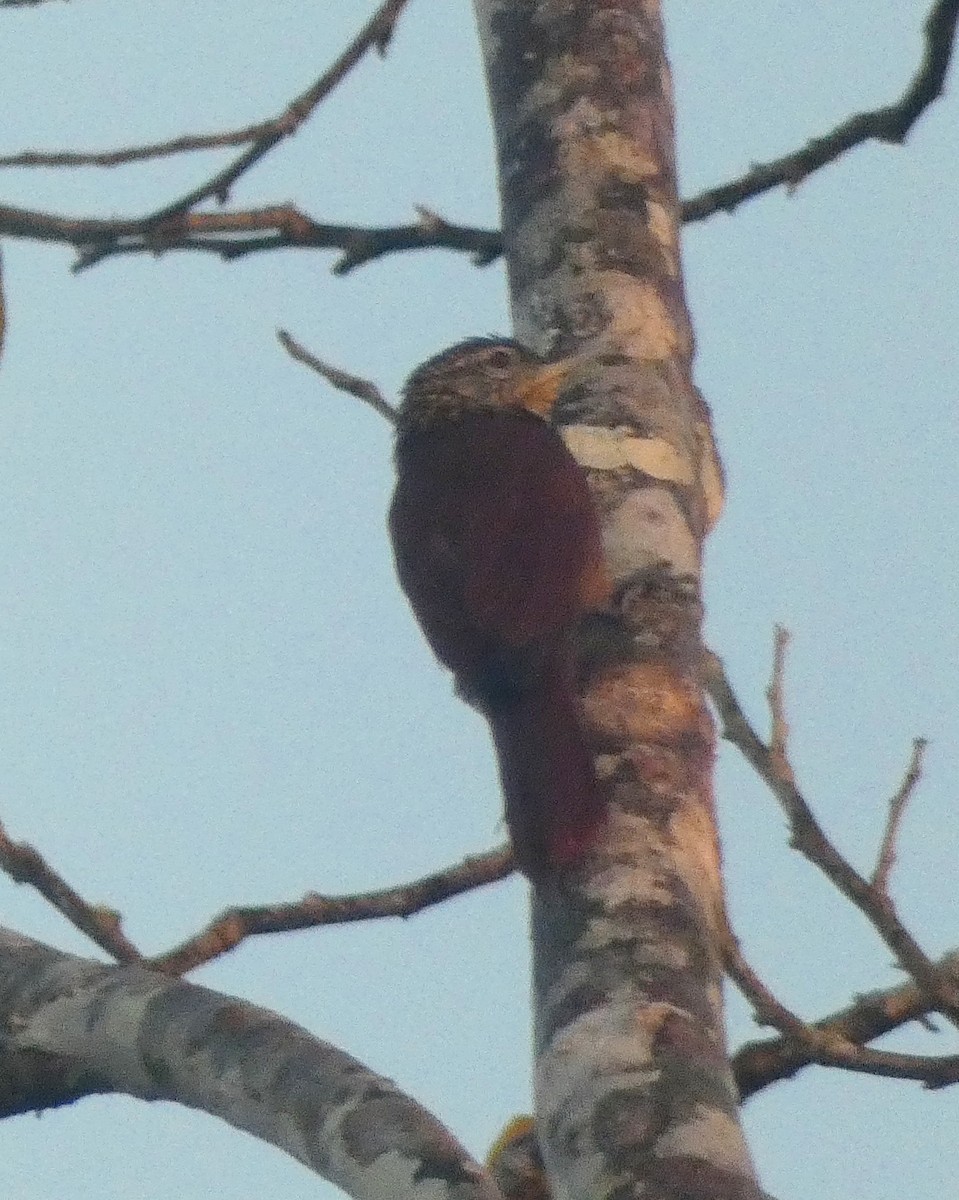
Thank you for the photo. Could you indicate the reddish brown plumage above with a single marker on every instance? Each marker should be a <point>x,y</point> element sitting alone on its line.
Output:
<point>498,549</point>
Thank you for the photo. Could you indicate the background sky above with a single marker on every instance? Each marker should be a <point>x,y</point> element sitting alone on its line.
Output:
<point>211,690</point>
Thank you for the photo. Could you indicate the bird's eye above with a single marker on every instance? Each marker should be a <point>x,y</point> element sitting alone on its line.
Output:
<point>500,360</point>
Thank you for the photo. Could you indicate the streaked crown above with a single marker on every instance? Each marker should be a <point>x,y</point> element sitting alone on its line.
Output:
<point>476,375</point>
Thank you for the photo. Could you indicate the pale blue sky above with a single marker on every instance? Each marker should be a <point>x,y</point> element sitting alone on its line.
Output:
<point>211,690</point>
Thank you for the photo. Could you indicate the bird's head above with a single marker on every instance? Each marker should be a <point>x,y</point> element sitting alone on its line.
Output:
<point>481,374</point>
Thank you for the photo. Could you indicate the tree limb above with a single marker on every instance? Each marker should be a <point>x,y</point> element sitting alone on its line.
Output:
<point>758,1064</point>
<point>236,234</point>
<point>72,1027</point>
<point>809,838</point>
<point>376,33</point>
<point>24,864</point>
<point>233,235</point>
<point>886,858</point>
<point>234,925</point>
<point>826,1042</point>
<point>890,123</point>
<point>343,381</point>
<point>172,228</point>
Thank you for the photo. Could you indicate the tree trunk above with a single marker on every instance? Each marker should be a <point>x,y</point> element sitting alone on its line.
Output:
<point>634,1094</point>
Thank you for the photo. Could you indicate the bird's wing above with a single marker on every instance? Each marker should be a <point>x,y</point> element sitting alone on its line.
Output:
<point>427,549</point>
<point>495,537</point>
<point>534,550</point>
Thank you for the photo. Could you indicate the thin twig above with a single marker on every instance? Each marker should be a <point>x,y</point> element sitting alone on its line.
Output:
<point>375,34</point>
<point>760,1063</point>
<point>890,124</point>
<point>886,858</point>
<point>934,1071</point>
<point>122,156</point>
<point>173,228</point>
<point>767,1009</point>
<point>808,837</point>
<point>233,235</point>
<point>282,125</point>
<point>353,385</point>
<point>775,697</point>
<point>827,1043</point>
<point>292,229</point>
<point>24,864</point>
<point>234,925</point>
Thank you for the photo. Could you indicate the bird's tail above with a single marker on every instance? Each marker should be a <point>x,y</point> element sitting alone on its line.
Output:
<point>554,802</point>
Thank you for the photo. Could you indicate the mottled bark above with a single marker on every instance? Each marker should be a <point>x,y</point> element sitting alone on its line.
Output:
<point>634,1094</point>
<point>70,1027</point>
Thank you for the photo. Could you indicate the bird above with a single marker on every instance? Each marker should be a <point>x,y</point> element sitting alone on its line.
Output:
<point>515,1161</point>
<point>498,548</point>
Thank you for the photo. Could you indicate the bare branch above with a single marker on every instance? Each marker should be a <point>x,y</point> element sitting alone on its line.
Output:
<point>230,928</point>
<point>377,33</point>
<point>172,228</point>
<point>101,925</point>
<point>24,864</point>
<point>234,234</point>
<point>779,730</point>
<point>430,231</point>
<point>826,1043</point>
<point>935,1071</point>
<point>353,385</point>
<point>767,1009</point>
<point>125,155</point>
<point>293,230</point>
<point>890,123</point>
<point>139,1033</point>
<point>809,838</point>
<point>761,1063</point>
<point>897,807</point>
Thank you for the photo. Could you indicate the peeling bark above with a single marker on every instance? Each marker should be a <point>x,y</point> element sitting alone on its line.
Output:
<point>71,1027</point>
<point>634,1093</point>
